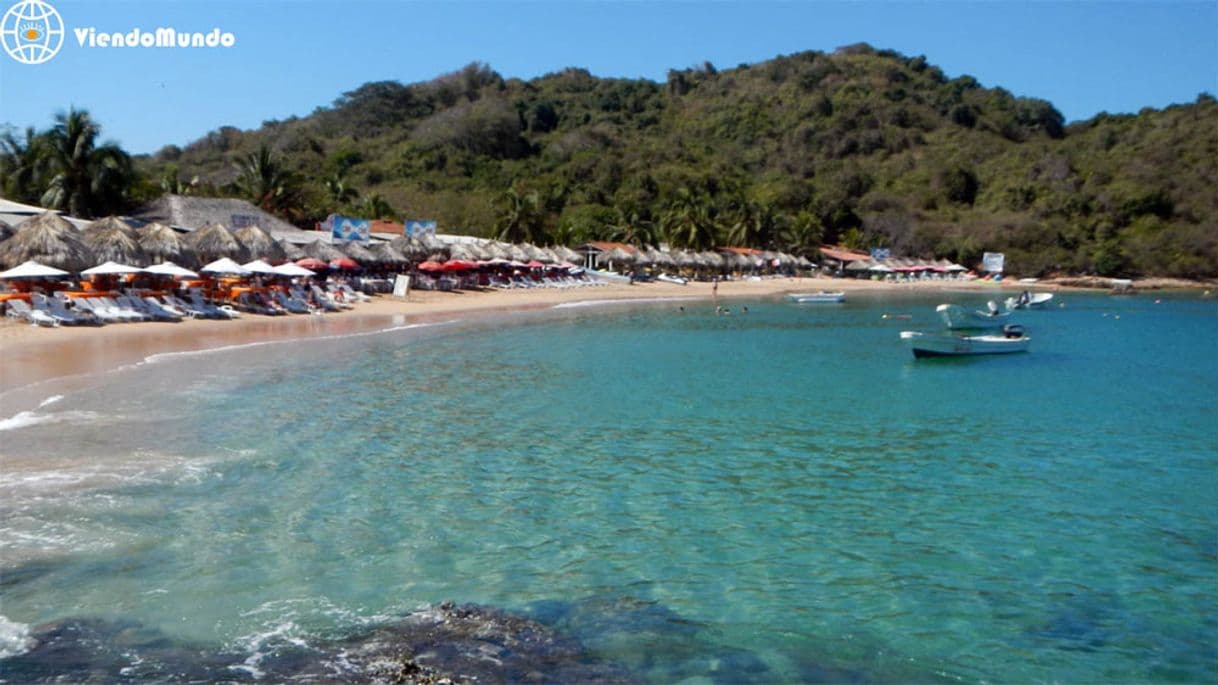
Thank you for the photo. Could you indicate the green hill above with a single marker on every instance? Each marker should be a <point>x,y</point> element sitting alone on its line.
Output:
<point>861,146</point>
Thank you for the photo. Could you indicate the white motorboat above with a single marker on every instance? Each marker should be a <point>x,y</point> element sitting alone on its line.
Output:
<point>820,296</point>
<point>1011,340</point>
<point>1028,300</point>
<point>955,316</point>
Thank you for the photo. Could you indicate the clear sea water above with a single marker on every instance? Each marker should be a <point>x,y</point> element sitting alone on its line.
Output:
<point>789,496</point>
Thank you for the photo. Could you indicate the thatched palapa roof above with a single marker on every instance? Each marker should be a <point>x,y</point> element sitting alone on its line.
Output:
<point>191,213</point>
<point>291,251</point>
<point>358,252</point>
<point>49,240</point>
<point>161,243</point>
<point>114,242</point>
<point>259,244</point>
<point>214,241</point>
<point>323,251</point>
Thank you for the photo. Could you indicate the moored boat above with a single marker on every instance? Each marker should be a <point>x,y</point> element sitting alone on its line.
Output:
<point>1028,300</point>
<point>820,296</point>
<point>1010,341</point>
<point>957,317</point>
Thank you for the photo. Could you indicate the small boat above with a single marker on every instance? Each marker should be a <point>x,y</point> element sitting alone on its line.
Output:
<point>955,316</point>
<point>1011,340</point>
<point>820,296</point>
<point>1028,300</point>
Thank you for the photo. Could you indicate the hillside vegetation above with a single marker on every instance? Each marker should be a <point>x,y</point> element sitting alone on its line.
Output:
<point>862,147</point>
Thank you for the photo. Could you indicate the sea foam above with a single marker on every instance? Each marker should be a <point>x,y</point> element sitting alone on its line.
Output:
<point>14,638</point>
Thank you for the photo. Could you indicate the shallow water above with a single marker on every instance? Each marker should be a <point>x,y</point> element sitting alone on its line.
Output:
<point>786,496</point>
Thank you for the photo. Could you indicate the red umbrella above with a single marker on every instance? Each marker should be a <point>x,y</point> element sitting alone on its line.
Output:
<point>344,263</point>
<point>535,264</point>
<point>459,265</point>
<point>312,264</point>
<point>431,266</point>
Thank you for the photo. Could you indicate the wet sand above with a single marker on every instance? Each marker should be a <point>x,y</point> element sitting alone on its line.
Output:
<point>31,356</point>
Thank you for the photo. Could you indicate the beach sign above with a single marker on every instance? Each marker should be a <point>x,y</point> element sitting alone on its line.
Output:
<point>418,228</point>
<point>346,229</point>
<point>878,253</point>
<point>993,262</point>
<point>401,286</point>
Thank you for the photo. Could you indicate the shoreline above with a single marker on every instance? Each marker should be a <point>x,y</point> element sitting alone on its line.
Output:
<point>34,356</point>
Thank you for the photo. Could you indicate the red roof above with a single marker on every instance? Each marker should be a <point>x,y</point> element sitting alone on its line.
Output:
<point>605,246</point>
<point>746,251</point>
<point>843,255</point>
<point>382,226</point>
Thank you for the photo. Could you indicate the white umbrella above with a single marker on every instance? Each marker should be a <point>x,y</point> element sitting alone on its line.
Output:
<point>291,270</point>
<point>110,269</point>
<point>170,269</point>
<point>258,267</point>
<point>225,266</point>
<point>32,269</point>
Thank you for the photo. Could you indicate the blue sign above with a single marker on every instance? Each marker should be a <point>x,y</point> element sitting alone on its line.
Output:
<point>418,228</point>
<point>878,253</point>
<point>345,228</point>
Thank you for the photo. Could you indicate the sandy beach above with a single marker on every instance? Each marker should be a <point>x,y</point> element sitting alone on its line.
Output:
<point>32,355</point>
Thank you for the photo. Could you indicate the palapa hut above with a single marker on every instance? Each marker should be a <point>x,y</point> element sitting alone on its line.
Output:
<point>259,244</point>
<point>410,248</point>
<point>161,243</point>
<point>322,251</point>
<point>189,213</point>
<point>385,254</point>
<point>291,251</point>
<point>6,231</point>
<point>110,240</point>
<point>358,252</point>
<point>214,241</point>
<point>49,240</point>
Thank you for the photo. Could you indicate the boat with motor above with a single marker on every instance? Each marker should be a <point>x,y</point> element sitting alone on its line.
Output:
<point>957,317</point>
<point>820,296</point>
<point>1011,340</point>
<point>1028,300</point>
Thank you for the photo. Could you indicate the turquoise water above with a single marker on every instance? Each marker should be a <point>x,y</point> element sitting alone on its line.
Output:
<point>783,496</point>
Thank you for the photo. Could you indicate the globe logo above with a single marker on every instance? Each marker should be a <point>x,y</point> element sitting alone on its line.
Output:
<point>31,31</point>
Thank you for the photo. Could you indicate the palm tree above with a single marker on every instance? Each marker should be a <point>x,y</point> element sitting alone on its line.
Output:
<point>756,225</point>
<point>340,193</point>
<point>265,181</point>
<point>631,226</point>
<point>688,222</point>
<point>21,165</point>
<point>87,179</point>
<point>521,217</point>
<point>804,235</point>
<point>374,207</point>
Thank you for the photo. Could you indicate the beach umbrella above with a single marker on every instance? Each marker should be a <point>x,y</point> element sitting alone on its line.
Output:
<point>345,263</point>
<point>292,271</point>
<point>259,244</point>
<point>110,240</point>
<point>323,251</point>
<point>32,270</point>
<point>213,242</point>
<point>358,252</point>
<point>6,231</point>
<point>384,253</point>
<point>111,269</point>
<point>312,263</point>
<point>258,267</point>
<point>49,240</point>
<point>161,243</point>
<point>225,266</point>
<point>431,266</point>
<point>170,269</point>
<point>291,251</point>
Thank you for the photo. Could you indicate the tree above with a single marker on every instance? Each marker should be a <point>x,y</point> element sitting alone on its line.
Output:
<point>264,180</point>
<point>631,226</point>
<point>756,225</point>
<point>87,179</point>
<point>804,235</point>
<point>687,221</point>
<point>520,217</point>
<point>337,190</point>
<point>21,165</point>
<point>374,207</point>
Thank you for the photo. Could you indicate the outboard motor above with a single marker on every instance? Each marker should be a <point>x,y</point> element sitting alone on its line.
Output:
<point>1012,330</point>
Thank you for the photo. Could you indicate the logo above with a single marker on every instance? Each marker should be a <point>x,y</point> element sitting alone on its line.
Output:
<point>31,32</point>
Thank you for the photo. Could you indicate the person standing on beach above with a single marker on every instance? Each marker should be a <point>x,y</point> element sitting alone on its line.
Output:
<point>715,287</point>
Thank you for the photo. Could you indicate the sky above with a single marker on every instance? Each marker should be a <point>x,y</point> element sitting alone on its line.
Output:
<point>291,56</point>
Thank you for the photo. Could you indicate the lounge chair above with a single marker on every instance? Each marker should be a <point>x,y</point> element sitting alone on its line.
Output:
<point>114,307</point>
<point>21,310</point>
<point>55,309</point>
<point>291,304</point>
<point>86,304</point>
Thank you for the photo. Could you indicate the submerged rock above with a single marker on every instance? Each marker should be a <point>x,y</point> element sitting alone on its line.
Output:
<point>448,644</point>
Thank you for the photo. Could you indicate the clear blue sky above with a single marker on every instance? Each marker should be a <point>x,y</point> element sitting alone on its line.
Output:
<point>292,56</point>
